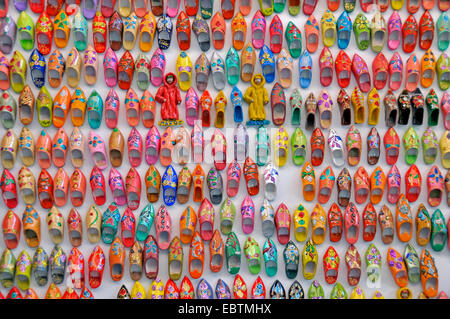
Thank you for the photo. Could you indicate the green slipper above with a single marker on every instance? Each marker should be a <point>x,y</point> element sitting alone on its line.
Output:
<point>270,255</point>
<point>25,28</point>
<point>94,110</point>
<point>443,71</point>
<point>411,259</point>
<point>80,30</point>
<point>23,270</point>
<point>8,111</point>
<point>266,7</point>
<point>338,292</point>
<point>206,8</point>
<point>296,102</point>
<point>291,259</point>
<point>378,32</point>
<point>253,254</point>
<point>411,145</point>
<point>278,5</point>
<point>294,39</point>
<point>110,223</point>
<point>362,31</point>
<point>438,231</point>
<point>232,63</point>
<point>298,146</point>
<point>315,291</point>
<point>44,106</point>
<point>430,146</point>
<point>294,7</point>
<point>233,254</point>
<point>262,147</point>
<point>443,30</point>
<point>433,108</point>
<point>18,72</point>
<point>227,214</point>
<point>7,268</point>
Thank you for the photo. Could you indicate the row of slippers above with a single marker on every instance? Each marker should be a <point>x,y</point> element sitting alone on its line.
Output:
<point>205,7</point>
<point>431,230</point>
<point>152,70</point>
<point>125,32</point>
<point>403,269</point>
<point>408,104</point>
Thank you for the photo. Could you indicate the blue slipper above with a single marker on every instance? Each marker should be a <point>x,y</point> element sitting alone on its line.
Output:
<point>267,60</point>
<point>169,184</point>
<point>164,28</point>
<point>37,67</point>
<point>305,69</point>
<point>344,30</point>
<point>236,100</point>
<point>232,64</point>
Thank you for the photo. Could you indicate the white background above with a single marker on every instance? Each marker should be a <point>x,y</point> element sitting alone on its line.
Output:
<point>289,187</point>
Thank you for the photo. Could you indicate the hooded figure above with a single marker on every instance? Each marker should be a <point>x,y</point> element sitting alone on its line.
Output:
<point>257,97</point>
<point>169,96</point>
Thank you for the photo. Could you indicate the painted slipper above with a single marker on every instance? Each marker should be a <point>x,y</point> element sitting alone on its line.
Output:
<point>284,68</point>
<point>44,150</point>
<point>361,73</point>
<point>147,105</point>
<point>142,72</point>
<point>77,107</point>
<point>344,30</point>
<point>27,185</point>
<point>8,262</point>
<point>373,146</point>
<point>197,143</point>
<point>329,32</point>
<point>169,184</point>
<point>435,185</point>
<point>251,177</point>
<point>351,223</point>
<point>55,221</point>
<point>233,253</point>
<point>378,34</point>
<point>73,68</point>
<point>198,176</point>
<point>201,31</point>
<point>233,178</point>
<point>291,259</point>
<point>152,146</point>
<point>417,106</point>
<point>380,67</point>
<point>8,149</point>
<point>445,149</point>
<point>308,181</point>
<point>343,66</point>
<point>45,189</point>
<point>175,259</point>
<point>98,150</point>
<point>319,224</point>
<point>56,68</point>
<point>44,33</point>
<point>317,147</point>
<point>294,39</point>
<point>353,144</point>
<point>80,29</point>
<point>305,75</point>
<point>60,146</point>
<point>423,226</point>
<point>130,31</point>
<point>443,28</point>
<point>17,72</point>
<point>215,186</point>
<point>413,181</point>
<point>411,145</point>
<point>331,265</point>
<point>410,31</point>
<point>344,186</point>
<point>4,72</point>
<point>361,179</point>
<point>336,146</point>
<point>262,147</point>
<point>125,70</point>
<point>241,141</point>
<point>11,229</point>
<point>428,274</point>
<point>438,231</point>
<point>393,185</point>
<point>404,221</point>
<point>25,28</point>
<point>281,146</point>
<point>283,224</point>
<point>309,260</point>
<point>296,102</point>
<point>115,31</point>
<point>394,31</point>
<point>298,146</point>
<point>343,101</point>
<point>386,221</point>
<point>238,31</point>
<point>98,183</point>
<point>362,31</point>
<point>248,215</point>
<point>147,29</point>
<point>132,108</point>
<point>427,66</point>
<point>432,103</point>
<point>391,142</point>
<point>37,66</point>
<point>335,221</point>
<point>353,262</point>
<point>253,253</point>
<point>312,34</point>
<point>397,267</point>
<point>276,34</point>
<point>377,184</point>
<point>145,222</point>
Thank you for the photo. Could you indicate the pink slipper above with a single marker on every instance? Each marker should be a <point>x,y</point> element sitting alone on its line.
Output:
<point>112,105</point>
<point>233,178</point>
<point>110,65</point>
<point>248,215</point>
<point>152,146</point>
<point>98,150</point>
<point>157,66</point>
<point>191,102</point>
<point>117,187</point>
